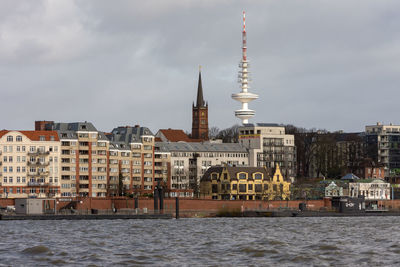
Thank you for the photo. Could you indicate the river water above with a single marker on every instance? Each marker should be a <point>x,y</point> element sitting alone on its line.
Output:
<point>365,241</point>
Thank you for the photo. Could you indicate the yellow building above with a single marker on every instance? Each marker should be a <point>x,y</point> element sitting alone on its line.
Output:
<point>244,183</point>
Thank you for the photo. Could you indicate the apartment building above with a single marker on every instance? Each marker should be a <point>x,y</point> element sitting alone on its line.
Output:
<point>132,157</point>
<point>383,146</point>
<point>29,164</point>
<point>189,161</point>
<point>268,145</point>
<point>84,159</point>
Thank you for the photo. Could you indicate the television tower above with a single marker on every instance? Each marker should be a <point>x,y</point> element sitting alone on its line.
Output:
<point>244,96</point>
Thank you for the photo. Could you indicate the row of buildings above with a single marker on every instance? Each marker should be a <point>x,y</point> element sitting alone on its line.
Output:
<point>77,160</point>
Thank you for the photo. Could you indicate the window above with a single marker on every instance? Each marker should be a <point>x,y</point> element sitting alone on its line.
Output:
<point>258,176</point>
<point>242,188</point>
<point>214,188</point>
<point>258,188</point>
<point>250,187</point>
<point>18,138</point>
<point>18,149</point>
<point>242,175</point>
<point>42,138</point>
<point>10,138</point>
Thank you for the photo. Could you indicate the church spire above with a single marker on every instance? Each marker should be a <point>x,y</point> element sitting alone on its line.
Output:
<point>200,99</point>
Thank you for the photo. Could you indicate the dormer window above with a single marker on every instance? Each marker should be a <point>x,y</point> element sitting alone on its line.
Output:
<point>42,138</point>
<point>18,138</point>
<point>258,176</point>
<point>242,175</point>
<point>10,138</point>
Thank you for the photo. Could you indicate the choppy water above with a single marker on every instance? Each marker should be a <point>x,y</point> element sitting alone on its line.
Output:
<point>367,241</point>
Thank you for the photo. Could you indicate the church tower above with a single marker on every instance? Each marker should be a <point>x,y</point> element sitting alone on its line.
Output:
<point>200,114</point>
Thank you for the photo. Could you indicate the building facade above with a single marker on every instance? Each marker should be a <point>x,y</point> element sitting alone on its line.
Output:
<point>244,183</point>
<point>370,189</point>
<point>268,145</point>
<point>383,146</point>
<point>29,164</point>
<point>189,161</point>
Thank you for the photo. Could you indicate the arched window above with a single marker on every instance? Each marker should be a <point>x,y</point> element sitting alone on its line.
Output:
<point>242,175</point>
<point>258,176</point>
<point>10,138</point>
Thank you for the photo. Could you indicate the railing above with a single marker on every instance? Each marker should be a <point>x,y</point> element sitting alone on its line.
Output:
<point>38,163</point>
<point>39,173</point>
<point>38,152</point>
<point>37,184</point>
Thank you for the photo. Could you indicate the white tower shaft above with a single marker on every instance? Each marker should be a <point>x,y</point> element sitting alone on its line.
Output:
<point>244,96</point>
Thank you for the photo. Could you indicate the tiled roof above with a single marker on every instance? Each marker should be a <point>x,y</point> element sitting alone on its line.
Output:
<point>35,135</point>
<point>175,135</point>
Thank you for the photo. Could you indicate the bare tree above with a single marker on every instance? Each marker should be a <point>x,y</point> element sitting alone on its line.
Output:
<point>213,132</point>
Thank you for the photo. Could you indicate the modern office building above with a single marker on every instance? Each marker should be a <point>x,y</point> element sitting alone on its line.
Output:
<point>383,146</point>
<point>268,145</point>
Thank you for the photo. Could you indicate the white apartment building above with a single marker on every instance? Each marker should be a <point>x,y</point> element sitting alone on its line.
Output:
<point>29,164</point>
<point>189,161</point>
<point>268,145</point>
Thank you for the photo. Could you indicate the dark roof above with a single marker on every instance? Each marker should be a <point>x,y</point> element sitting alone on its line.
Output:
<point>128,134</point>
<point>233,171</point>
<point>74,126</point>
<point>350,176</point>
<point>201,147</point>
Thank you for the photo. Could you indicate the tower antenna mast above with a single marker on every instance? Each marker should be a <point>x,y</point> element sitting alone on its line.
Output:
<point>244,96</point>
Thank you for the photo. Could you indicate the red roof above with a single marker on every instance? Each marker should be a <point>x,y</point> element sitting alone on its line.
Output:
<point>174,135</point>
<point>35,135</point>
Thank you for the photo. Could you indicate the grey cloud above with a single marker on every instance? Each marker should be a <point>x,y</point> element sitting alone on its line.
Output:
<point>324,64</point>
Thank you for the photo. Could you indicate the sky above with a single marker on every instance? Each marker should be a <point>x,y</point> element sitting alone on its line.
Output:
<point>322,64</point>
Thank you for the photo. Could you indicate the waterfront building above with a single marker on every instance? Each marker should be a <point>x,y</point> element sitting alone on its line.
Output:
<point>29,164</point>
<point>370,189</point>
<point>189,161</point>
<point>333,190</point>
<point>268,145</point>
<point>383,146</point>
<point>84,159</point>
<point>133,159</point>
<point>244,97</point>
<point>244,183</point>
<point>200,115</point>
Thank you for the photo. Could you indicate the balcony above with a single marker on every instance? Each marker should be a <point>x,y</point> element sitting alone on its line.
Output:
<point>36,184</point>
<point>38,152</point>
<point>38,173</point>
<point>38,164</point>
<point>32,195</point>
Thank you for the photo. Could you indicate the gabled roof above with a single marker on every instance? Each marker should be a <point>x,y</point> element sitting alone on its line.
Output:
<point>35,135</point>
<point>174,135</point>
<point>350,176</point>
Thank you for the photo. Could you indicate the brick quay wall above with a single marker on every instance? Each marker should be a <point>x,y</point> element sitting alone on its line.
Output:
<point>198,205</point>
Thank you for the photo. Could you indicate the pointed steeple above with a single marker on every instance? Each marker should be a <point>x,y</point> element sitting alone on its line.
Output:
<point>200,99</point>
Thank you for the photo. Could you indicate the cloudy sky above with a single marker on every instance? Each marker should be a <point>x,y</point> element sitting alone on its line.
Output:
<point>323,64</point>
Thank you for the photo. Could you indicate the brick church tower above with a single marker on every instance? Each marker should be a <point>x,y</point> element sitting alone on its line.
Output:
<point>200,115</point>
